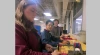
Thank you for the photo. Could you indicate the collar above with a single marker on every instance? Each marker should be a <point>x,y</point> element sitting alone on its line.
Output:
<point>47,30</point>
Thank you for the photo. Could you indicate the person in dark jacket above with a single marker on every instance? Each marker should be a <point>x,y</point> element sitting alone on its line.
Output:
<point>27,41</point>
<point>46,35</point>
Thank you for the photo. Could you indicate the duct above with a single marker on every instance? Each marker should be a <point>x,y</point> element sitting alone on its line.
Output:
<point>65,5</point>
<point>57,8</point>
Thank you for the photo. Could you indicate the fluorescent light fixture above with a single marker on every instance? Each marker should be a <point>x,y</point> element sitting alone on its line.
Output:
<point>51,19</point>
<point>47,14</point>
<point>36,19</point>
<point>41,21</point>
<point>77,0</point>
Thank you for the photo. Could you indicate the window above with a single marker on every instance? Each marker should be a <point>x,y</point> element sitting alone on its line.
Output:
<point>78,24</point>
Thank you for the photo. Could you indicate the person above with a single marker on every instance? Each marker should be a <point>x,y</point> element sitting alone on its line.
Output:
<point>27,41</point>
<point>56,31</point>
<point>46,35</point>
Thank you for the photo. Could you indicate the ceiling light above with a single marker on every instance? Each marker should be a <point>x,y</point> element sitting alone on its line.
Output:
<point>77,0</point>
<point>51,19</point>
<point>36,19</point>
<point>47,14</point>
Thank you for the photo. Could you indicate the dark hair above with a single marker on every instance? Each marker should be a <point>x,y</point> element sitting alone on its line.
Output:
<point>48,21</point>
<point>56,20</point>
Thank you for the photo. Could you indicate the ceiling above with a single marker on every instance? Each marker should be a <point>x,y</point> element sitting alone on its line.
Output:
<point>58,8</point>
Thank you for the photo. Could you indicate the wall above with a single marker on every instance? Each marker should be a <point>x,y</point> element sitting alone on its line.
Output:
<point>40,24</point>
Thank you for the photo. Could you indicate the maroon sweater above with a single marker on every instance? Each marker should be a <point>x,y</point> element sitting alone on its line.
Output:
<point>27,43</point>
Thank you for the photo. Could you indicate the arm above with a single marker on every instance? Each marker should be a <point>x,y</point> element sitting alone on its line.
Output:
<point>46,40</point>
<point>22,46</point>
<point>53,38</point>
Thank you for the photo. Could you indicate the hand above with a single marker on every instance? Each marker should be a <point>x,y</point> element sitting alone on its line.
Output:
<point>61,37</point>
<point>56,52</point>
<point>49,48</point>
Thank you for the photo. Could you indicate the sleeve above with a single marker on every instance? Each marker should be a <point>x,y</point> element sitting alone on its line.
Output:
<point>44,40</point>
<point>53,38</point>
<point>21,47</point>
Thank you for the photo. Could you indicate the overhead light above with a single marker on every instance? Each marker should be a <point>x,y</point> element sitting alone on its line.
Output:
<point>77,0</point>
<point>47,14</point>
<point>41,21</point>
<point>36,19</point>
<point>51,19</point>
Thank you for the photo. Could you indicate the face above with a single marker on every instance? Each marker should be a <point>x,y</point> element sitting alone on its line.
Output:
<point>55,23</point>
<point>49,26</point>
<point>30,12</point>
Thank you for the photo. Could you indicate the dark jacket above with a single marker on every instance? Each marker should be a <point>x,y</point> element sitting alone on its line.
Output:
<point>48,38</point>
<point>27,43</point>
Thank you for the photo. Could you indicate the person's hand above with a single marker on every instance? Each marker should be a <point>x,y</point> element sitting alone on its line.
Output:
<point>61,37</point>
<point>49,48</point>
<point>56,52</point>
